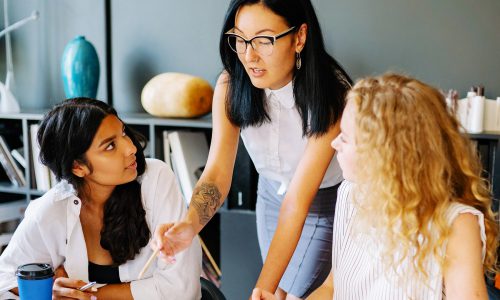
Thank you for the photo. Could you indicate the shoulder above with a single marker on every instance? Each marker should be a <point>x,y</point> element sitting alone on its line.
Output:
<point>458,213</point>
<point>51,208</point>
<point>157,171</point>
<point>223,78</point>
<point>155,168</point>
<point>158,177</point>
<point>467,227</point>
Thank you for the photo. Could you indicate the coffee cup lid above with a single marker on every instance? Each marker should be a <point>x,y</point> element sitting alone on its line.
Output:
<point>35,271</point>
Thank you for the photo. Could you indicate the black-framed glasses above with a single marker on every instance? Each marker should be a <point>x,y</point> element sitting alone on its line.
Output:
<point>263,44</point>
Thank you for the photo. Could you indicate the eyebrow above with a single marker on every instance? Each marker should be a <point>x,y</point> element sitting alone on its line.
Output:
<point>257,33</point>
<point>107,140</point>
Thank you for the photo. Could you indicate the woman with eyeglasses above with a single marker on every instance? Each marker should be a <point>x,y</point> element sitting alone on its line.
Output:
<point>283,94</point>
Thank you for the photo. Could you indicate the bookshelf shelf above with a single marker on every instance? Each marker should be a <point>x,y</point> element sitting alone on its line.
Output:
<point>7,187</point>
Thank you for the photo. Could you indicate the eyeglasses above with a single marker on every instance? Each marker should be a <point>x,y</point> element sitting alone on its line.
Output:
<point>263,44</point>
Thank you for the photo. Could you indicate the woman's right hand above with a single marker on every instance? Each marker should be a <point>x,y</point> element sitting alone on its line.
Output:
<point>173,238</point>
<point>66,288</point>
<point>260,294</point>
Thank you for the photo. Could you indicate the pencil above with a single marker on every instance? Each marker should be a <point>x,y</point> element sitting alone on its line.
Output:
<point>210,258</point>
<point>148,263</point>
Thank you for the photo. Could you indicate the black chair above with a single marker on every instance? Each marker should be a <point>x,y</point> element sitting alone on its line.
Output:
<point>210,291</point>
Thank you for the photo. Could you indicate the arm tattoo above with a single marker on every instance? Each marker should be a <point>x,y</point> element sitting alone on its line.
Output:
<point>206,199</point>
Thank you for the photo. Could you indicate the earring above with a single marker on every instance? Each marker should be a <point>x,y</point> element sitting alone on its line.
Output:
<point>298,61</point>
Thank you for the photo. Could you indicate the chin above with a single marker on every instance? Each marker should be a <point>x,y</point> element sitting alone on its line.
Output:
<point>258,83</point>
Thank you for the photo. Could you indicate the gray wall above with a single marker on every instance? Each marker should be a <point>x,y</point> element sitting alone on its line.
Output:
<point>449,43</point>
<point>156,36</point>
<point>39,45</point>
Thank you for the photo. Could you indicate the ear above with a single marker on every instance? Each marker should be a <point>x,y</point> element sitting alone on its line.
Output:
<point>301,37</point>
<point>79,169</point>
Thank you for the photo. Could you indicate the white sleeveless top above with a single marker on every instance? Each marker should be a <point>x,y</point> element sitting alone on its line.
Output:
<point>276,147</point>
<point>358,272</point>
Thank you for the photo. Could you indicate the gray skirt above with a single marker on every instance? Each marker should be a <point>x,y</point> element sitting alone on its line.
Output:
<point>312,260</point>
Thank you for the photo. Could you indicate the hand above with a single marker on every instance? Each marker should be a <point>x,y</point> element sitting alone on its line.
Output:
<point>259,294</point>
<point>66,288</point>
<point>172,238</point>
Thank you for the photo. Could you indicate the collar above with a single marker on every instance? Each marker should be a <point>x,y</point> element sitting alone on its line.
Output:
<point>63,190</point>
<point>284,95</point>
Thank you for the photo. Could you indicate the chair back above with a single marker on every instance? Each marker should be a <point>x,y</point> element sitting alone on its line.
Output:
<point>210,291</point>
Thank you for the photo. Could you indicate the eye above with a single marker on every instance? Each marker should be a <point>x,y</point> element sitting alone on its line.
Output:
<point>262,41</point>
<point>110,147</point>
<point>239,41</point>
<point>342,139</point>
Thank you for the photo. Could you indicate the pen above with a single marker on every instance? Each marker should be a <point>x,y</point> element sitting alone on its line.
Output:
<point>87,286</point>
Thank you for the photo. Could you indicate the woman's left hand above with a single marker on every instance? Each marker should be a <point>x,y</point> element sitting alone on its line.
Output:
<point>66,288</point>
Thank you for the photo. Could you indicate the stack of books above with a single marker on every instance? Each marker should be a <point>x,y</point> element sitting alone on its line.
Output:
<point>13,171</point>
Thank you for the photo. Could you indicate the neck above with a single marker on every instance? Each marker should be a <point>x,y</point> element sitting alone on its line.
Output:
<point>96,196</point>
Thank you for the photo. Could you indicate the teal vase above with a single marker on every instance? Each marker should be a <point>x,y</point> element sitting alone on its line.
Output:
<point>80,69</point>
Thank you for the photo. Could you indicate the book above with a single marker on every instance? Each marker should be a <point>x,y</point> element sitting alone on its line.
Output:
<point>15,174</point>
<point>189,155</point>
<point>166,148</point>
<point>18,155</point>
<point>42,174</point>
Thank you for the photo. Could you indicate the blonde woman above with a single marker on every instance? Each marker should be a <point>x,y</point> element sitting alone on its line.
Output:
<point>413,218</point>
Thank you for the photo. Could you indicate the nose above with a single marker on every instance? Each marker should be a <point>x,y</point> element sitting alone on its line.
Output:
<point>250,54</point>
<point>334,144</point>
<point>130,148</point>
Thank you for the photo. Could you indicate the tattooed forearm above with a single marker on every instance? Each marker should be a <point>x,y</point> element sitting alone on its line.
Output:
<point>206,199</point>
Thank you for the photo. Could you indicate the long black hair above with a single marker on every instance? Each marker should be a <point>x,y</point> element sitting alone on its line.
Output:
<point>320,85</point>
<point>65,134</point>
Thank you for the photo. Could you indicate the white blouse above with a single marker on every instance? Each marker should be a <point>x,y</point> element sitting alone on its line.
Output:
<point>51,232</point>
<point>277,146</point>
<point>358,272</point>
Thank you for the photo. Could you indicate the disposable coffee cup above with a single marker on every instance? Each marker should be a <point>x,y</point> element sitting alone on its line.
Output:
<point>35,281</point>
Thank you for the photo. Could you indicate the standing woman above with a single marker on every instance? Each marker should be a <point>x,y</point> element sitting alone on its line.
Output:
<point>284,94</point>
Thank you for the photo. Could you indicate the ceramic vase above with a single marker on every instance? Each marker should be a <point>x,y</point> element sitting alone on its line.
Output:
<point>80,69</point>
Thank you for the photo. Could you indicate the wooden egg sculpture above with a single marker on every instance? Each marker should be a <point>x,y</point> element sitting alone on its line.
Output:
<point>177,95</point>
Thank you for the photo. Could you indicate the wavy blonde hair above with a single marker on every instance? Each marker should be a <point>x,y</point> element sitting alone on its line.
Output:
<point>413,162</point>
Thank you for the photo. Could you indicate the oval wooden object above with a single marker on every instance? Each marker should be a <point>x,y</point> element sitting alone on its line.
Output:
<point>177,95</point>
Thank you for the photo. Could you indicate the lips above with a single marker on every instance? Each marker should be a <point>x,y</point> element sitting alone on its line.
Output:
<point>133,165</point>
<point>256,72</point>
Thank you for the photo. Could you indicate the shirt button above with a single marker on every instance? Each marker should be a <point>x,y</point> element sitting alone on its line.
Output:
<point>75,202</point>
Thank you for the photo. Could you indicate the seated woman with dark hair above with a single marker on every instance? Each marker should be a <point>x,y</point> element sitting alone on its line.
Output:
<point>95,224</point>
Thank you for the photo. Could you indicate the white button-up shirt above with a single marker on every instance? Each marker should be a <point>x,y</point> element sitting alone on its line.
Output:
<point>51,232</point>
<point>276,147</point>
